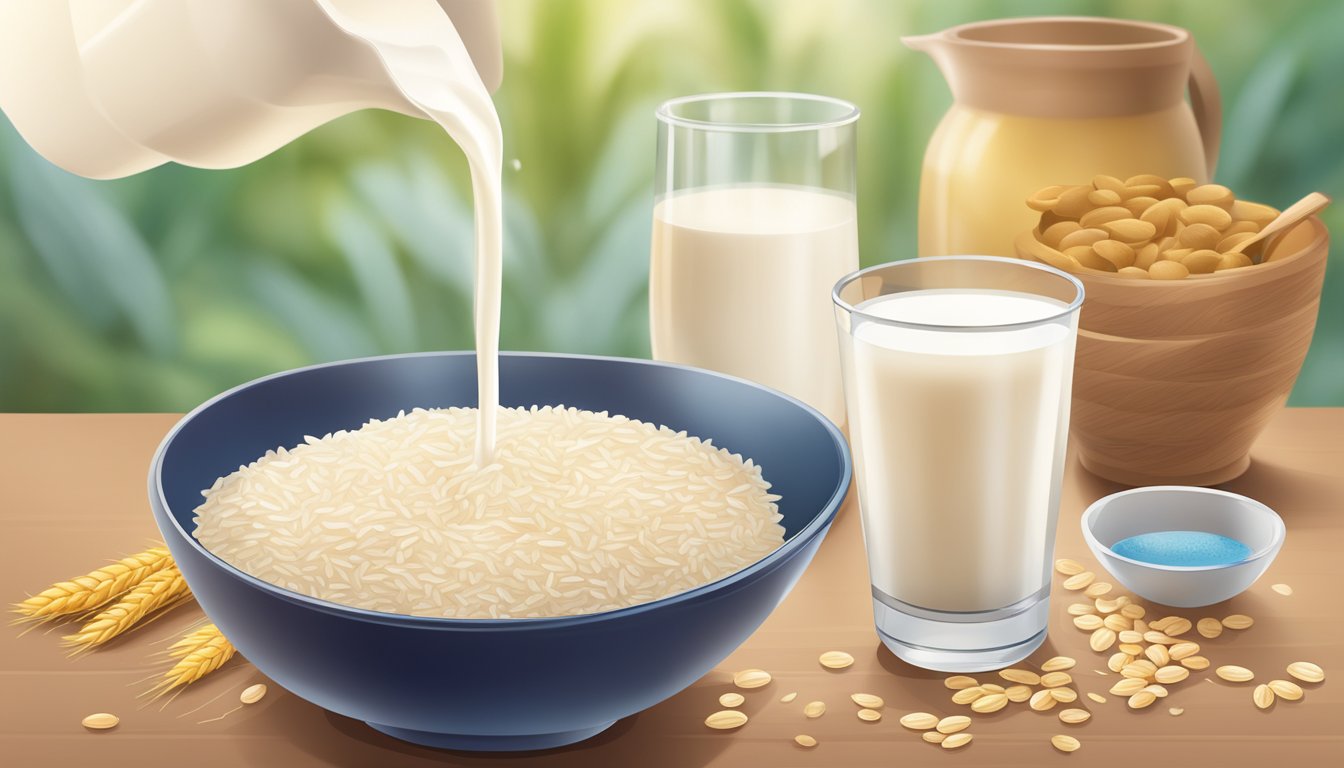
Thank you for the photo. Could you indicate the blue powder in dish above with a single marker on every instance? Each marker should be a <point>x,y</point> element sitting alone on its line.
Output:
<point>1184,548</point>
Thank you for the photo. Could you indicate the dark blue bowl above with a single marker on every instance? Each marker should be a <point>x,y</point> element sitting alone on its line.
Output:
<point>503,684</point>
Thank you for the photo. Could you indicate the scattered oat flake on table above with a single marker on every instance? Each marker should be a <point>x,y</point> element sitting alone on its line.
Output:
<point>815,709</point>
<point>1238,621</point>
<point>1176,711</point>
<point>751,678</point>
<point>100,721</point>
<point>731,700</point>
<point>919,721</point>
<point>1069,567</point>
<point>1306,671</point>
<point>836,659</point>
<point>803,740</point>
<point>867,700</point>
<point>960,739</point>
<point>869,715</point>
<point>726,720</point>
<point>1065,743</point>
<point>1097,697</point>
<point>253,693</point>
<point>790,696</point>
<point>1282,589</point>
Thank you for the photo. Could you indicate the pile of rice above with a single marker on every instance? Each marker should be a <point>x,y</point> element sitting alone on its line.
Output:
<point>580,512</point>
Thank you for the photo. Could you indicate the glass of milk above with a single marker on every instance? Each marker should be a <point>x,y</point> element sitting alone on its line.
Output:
<point>957,374</point>
<point>753,222</point>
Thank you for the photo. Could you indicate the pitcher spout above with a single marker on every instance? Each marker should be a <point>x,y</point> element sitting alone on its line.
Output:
<point>923,43</point>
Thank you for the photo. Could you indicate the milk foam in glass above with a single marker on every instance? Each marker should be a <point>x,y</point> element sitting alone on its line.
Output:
<point>957,379</point>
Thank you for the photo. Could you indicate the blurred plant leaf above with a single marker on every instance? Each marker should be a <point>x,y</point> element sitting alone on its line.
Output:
<point>376,272</point>
<point>95,255</point>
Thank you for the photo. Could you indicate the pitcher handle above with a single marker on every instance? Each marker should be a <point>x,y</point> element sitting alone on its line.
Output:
<point>1207,105</point>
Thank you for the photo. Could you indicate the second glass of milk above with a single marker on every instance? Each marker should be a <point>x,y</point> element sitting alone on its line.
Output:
<point>957,374</point>
<point>753,223</point>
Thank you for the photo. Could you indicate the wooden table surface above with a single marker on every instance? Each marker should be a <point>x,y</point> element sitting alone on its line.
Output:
<point>72,495</point>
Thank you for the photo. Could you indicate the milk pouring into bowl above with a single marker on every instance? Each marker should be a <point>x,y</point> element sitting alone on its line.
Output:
<point>232,82</point>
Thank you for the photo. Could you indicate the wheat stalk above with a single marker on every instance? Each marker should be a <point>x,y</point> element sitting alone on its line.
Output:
<point>198,653</point>
<point>96,588</point>
<point>155,592</point>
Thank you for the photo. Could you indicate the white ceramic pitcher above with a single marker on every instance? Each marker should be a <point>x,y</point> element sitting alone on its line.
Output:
<point>108,88</point>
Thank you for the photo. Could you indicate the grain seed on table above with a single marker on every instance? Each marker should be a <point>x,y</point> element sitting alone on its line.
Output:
<point>1306,671</point>
<point>1075,716</point>
<point>867,700</point>
<point>1286,690</point>
<point>1234,674</point>
<point>253,693</point>
<point>803,740</point>
<point>100,721</point>
<point>1196,663</point>
<point>1081,609</point>
<point>1079,580</point>
<point>726,720</point>
<point>968,695</point>
<point>1058,664</point>
<point>1263,696</point>
<point>1088,622</point>
<point>988,703</point>
<point>958,682</point>
<point>1097,589</point>
<point>1018,693</point>
<point>934,737</point>
<point>993,688</point>
<point>919,721</point>
<point>1097,697</point>
<point>1282,589</point>
<point>1176,711</point>
<point>788,697</point>
<point>956,740</point>
<point>1069,567</point>
<point>869,715</point>
<point>836,659</point>
<point>1023,676</point>
<point>814,709</point>
<point>1042,701</point>
<point>1142,699</point>
<point>751,678</point>
<point>731,700</point>
<point>1128,686</point>
<point>1065,743</point>
<point>1157,690</point>
<point>953,724</point>
<point>1238,621</point>
<point>1210,628</point>
<point>1132,611</point>
<point>1056,679</point>
<point>1063,695</point>
<point>1102,639</point>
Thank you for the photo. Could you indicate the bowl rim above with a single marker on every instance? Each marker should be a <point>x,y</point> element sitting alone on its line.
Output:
<point>1227,275</point>
<point>1095,510</point>
<point>814,527</point>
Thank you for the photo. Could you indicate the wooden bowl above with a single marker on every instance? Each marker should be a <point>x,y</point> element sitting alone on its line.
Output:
<point>1174,380</point>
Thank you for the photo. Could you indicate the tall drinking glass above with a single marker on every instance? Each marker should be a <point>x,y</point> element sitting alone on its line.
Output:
<point>753,222</point>
<point>957,375</point>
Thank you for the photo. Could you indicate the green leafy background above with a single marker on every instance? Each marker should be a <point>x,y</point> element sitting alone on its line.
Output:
<point>153,293</point>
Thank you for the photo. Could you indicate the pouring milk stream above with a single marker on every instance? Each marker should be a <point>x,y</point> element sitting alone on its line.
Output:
<point>128,85</point>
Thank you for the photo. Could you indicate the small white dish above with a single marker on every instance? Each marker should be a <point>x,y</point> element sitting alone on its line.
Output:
<point>1183,508</point>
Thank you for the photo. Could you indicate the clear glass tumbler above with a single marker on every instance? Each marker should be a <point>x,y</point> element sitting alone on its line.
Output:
<point>957,374</point>
<point>754,221</point>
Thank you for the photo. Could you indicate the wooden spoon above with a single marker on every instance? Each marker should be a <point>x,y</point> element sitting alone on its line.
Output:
<point>1291,215</point>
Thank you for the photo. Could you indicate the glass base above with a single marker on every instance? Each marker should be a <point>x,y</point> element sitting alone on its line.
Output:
<point>975,641</point>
